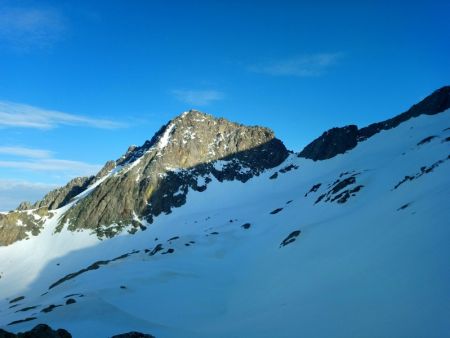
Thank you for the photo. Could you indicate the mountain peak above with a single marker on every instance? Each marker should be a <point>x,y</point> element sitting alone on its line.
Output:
<point>188,128</point>
<point>158,175</point>
<point>195,137</point>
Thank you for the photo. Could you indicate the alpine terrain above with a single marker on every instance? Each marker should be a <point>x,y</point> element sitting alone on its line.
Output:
<point>214,229</point>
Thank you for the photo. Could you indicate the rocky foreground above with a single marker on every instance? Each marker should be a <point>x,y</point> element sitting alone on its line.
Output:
<point>45,331</point>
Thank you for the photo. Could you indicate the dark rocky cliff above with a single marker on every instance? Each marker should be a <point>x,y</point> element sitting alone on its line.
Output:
<point>339,140</point>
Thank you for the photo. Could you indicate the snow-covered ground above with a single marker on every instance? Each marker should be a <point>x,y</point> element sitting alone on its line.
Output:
<point>374,266</point>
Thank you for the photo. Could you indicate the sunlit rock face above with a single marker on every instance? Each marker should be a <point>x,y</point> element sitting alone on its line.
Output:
<point>156,177</point>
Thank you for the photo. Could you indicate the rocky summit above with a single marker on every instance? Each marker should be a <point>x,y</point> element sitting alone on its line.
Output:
<point>156,177</point>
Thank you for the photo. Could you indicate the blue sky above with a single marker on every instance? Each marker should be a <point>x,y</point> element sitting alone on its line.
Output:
<point>82,80</point>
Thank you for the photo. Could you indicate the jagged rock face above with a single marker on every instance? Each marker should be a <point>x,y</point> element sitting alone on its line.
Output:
<point>156,177</point>
<point>339,140</point>
<point>61,196</point>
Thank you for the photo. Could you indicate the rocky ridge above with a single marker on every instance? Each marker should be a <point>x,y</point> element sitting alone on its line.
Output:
<point>339,140</point>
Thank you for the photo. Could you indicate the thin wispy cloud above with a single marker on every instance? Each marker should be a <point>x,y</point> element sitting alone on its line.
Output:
<point>198,97</point>
<point>64,167</point>
<point>26,116</point>
<point>30,27</point>
<point>25,152</point>
<point>301,66</point>
<point>42,160</point>
<point>12,192</point>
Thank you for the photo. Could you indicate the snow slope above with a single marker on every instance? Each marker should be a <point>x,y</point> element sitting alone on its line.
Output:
<point>376,265</point>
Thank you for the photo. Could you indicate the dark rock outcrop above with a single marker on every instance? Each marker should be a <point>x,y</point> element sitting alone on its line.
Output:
<point>28,319</point>
<point>426,140</point>
<point>341,190</point>
<point>339,140</point>
<point>332,142</point>
<point>70,301</point>
<point>50,308</point>
<point>6,334</point>
<point>404,206</point>
<point>17,299</point>
<point>94,266</point>
<point>39,331</point>
<point>313,189</point>
<point>276,211</point>
<point>246,226</point>
<point>290,238</point>
<point>133,334</point>
<point>423,170</point>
